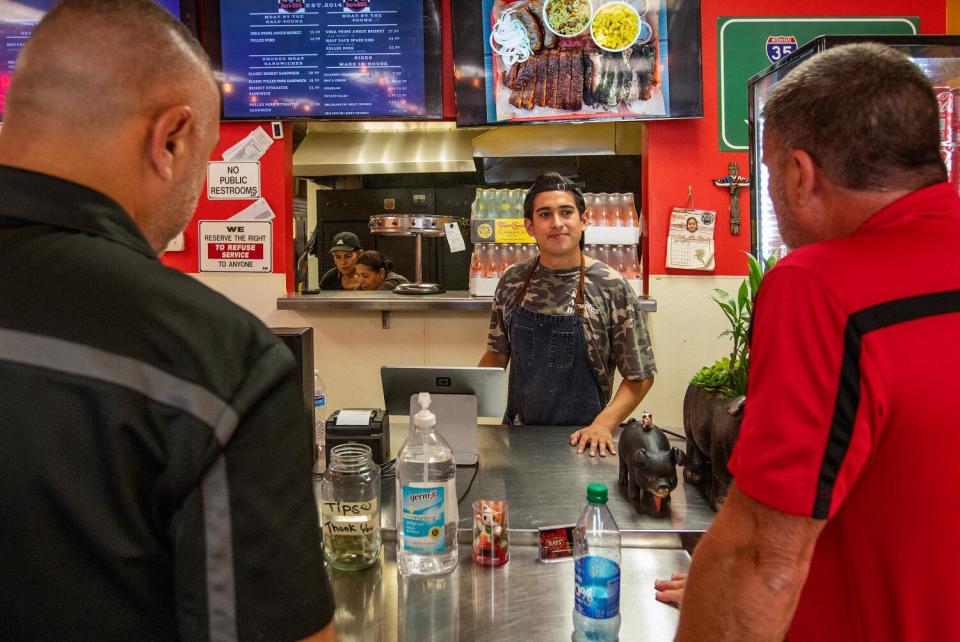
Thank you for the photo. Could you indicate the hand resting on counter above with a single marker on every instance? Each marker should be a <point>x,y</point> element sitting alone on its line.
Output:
<point>597,437</point>
<point>671,591</point>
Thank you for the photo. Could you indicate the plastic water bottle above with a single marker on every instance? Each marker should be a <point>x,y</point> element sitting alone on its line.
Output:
<point>596,555</point>
<point>427,513</point>
<point>319,423</point>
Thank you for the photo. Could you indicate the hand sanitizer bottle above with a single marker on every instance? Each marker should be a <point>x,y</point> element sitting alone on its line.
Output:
<point>427,514</point>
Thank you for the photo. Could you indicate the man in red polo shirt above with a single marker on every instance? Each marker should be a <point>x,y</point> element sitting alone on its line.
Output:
<point>842,523</point>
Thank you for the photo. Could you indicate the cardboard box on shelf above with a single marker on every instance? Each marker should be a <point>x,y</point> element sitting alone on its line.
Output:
<point>483,286</point>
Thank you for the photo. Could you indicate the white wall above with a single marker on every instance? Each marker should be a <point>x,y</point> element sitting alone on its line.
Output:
<point>351,346</point>
<point>685,333</point>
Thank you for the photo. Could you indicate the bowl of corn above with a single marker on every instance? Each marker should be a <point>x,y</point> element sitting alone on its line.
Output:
<point>615,26</point>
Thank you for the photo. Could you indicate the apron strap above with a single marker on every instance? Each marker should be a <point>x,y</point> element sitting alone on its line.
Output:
<point>578,301</point>
<point>522,294</point>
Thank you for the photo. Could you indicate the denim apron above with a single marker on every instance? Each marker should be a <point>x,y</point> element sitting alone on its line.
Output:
<point>551,380</point>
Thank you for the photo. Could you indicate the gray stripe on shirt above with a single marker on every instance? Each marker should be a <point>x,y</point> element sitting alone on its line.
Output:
<point>155,384</point>
<point>217,527</point>
<point>82,360</point>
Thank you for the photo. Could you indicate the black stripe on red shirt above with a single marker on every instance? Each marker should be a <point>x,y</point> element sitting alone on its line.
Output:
<point>848,390</point>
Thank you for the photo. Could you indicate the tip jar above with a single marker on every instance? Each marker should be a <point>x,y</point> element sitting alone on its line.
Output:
<point>350,508</point>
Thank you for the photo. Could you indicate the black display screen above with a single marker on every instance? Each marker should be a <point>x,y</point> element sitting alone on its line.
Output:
<point>20,17</point>
<point>329,59</point>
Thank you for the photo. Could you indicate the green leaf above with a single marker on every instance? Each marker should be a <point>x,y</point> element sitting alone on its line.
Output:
<point>771,261</point>
<point>756,274</point>
<point>730,313</point>
<point>742,296</point>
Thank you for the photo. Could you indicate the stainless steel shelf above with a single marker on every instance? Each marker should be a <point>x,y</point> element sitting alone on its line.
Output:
<point>390,302</point>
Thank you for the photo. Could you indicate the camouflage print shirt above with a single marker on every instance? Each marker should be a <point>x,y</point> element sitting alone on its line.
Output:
<point>614,330</point>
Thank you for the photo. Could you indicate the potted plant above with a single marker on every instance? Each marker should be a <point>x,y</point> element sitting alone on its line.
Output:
<point>713,403</point>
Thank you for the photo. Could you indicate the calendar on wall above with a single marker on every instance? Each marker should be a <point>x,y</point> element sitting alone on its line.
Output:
<point>690,239</point>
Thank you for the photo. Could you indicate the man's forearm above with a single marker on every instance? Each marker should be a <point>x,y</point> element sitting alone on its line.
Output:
<point>494,359</point>
<point>627,398</point>
<point>744,583</point>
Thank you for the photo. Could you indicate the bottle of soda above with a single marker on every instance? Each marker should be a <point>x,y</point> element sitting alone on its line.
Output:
<point>596,555</point>
<point>427,512</point>
<point>476,263</point>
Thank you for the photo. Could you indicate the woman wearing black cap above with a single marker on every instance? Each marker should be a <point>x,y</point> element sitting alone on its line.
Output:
<point>571,322</point>
<point>345,251</point>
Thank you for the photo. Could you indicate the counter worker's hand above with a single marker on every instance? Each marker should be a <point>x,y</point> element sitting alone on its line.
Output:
<point>671,591</point>
<point>598,437</point>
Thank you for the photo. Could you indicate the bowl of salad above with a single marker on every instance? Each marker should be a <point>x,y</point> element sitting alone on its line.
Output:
<point>567,18</point>
<point>615,26</point>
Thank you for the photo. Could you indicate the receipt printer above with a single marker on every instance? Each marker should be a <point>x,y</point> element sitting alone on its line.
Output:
<point>367,426</point>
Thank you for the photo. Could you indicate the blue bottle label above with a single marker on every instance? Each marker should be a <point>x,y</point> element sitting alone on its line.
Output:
<point>597,592</point>
<point>423,519</point>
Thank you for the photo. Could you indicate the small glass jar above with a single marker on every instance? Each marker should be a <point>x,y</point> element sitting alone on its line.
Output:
<point>350,508</point>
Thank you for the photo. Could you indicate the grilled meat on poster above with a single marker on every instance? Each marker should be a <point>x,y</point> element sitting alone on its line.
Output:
<point>542,75</point>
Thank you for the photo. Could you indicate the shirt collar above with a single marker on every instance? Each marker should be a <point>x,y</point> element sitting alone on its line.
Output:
<point>41,198</point>
<point>934,200</point>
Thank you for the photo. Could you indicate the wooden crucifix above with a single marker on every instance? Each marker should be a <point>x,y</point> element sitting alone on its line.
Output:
<point>733,182</point>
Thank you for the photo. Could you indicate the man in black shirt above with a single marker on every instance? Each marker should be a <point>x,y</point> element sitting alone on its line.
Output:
<point>155,474</point>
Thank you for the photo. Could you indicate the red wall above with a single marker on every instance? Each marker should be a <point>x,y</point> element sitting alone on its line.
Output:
<point>686,152</point>
<point>276,185</point>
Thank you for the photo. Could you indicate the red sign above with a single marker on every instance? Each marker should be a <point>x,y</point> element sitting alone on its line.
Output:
<point>248,251</point>
<point>4,86</point>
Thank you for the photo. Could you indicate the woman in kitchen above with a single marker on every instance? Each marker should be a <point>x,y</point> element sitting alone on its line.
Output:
<point>376,272</point>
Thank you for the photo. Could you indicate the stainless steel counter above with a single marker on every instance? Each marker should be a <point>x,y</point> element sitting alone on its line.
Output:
<point>523,600</point>
<point>545,481</point>
<point>388,301</point>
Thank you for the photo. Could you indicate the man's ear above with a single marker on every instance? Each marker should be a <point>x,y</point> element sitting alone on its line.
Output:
<point>801,173</point>
<point>528,225</point>
<point>169,138</point>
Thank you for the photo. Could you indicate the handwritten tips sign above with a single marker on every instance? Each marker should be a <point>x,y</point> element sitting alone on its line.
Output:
<point>349,518</point>
<point>233,180</point>
<point>236,246</point>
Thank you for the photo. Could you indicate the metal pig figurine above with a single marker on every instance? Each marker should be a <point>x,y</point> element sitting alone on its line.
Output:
<point>648,464</point>
<point>712,426</point>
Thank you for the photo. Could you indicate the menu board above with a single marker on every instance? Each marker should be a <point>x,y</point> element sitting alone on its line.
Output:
<point>17,22</point>
<point>354,59</point>
<point>576,60</point>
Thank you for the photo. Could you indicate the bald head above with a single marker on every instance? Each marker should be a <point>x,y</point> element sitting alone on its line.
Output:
<point>116,95</point>
<point>97,62</point>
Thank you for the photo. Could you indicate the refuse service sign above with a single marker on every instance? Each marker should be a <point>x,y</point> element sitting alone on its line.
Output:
<point>233,180</point>
<point>236,246</point>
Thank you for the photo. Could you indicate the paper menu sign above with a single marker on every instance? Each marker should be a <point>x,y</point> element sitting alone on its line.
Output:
<point>690,240</point>
<point>454,237</point>
<point>253,146</point>
<point>260,210</point>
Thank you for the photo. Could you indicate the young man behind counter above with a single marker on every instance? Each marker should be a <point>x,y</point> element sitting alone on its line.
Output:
<point>569,321</point>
